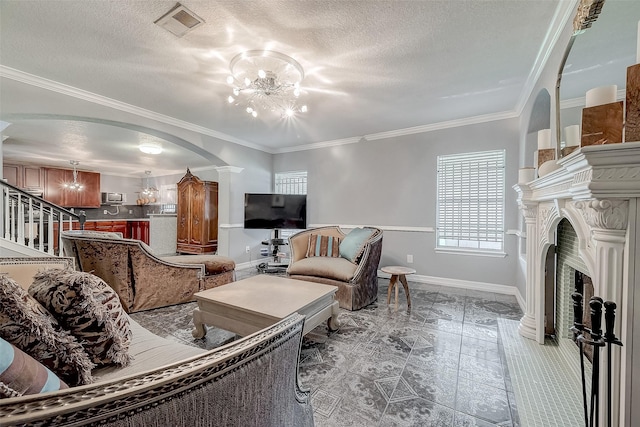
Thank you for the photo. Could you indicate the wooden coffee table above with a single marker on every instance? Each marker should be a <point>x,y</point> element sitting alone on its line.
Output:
<point>252,304</point>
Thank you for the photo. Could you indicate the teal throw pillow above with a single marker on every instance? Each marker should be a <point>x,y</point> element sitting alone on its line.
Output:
<point>352,245</point>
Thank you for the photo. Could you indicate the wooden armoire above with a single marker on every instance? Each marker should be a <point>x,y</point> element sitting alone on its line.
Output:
<point>197,215</point>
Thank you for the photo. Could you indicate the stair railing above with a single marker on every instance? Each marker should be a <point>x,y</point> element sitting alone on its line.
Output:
<point>29,220</point>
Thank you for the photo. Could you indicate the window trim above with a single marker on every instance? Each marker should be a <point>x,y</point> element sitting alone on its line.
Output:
<point>499,184</point>
<point>291,174</point>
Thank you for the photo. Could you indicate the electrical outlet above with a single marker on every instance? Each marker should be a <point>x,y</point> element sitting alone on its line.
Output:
<point>409,259</point>
<point>104,211</point>
<point>247,249</point>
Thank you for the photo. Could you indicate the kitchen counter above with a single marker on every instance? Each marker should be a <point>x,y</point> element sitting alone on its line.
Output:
<point>163,233</point>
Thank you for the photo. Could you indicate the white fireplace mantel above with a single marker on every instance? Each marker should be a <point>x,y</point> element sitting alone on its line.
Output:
<point>597,189</point>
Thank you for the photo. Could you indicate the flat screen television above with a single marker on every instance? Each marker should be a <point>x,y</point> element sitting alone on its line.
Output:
<point>275,211</point>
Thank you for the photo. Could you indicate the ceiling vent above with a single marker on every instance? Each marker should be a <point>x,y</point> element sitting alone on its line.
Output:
<point>179,20</point>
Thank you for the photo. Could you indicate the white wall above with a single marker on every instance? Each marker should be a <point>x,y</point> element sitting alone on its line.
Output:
<point>121,184</point>
<point>392,183</point>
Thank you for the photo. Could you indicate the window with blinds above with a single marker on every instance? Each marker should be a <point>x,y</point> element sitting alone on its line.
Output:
<point>470,205</point>
<point>290,183</point>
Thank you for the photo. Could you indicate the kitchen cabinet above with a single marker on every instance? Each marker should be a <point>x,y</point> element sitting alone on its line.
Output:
<point>129,229</point>
<point>54,191</point>
<point>110,226</point>
<point>11,174</point>
<point>27,177</point>
<point>138,230</point>
<point>197,215</point>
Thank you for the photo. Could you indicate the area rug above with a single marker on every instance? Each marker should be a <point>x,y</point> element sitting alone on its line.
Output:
<point>175,323</point>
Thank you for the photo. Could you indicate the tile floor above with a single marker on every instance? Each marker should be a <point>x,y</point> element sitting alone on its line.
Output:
<point>439,364</point>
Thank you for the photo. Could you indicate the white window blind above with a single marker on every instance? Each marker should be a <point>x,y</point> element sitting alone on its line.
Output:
<point>291,183</point>
<point>470,210</point>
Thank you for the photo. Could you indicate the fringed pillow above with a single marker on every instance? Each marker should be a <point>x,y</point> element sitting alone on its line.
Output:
<point>90,309</point>
<point>27,325</point>
<point>21,374</point>
<point>320,245</point>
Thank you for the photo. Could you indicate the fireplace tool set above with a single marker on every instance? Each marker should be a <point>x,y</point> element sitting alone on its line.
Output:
<point>597,341</point>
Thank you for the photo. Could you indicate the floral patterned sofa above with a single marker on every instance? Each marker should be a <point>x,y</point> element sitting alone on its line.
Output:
<point>250,382</point>
<point>143,280</point>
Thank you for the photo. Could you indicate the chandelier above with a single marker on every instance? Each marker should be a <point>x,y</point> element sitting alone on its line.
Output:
<point>266,80</point>
<point>148,190</point>
<point>75,185</point>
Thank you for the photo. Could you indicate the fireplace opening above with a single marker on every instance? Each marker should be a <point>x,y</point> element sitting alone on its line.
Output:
<point>566,274</point>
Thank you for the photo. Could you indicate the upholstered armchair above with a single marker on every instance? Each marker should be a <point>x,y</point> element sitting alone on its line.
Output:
<point>141,279</point>
<point>356,277</point>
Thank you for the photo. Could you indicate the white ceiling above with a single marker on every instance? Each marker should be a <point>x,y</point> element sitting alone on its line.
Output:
<point>370,67</point>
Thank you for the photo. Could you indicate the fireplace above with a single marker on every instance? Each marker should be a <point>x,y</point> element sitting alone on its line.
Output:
<point>590,206</point>
<point>566,273</point>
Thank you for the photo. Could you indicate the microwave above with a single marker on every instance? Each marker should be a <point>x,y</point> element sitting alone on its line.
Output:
<point>113,198</point>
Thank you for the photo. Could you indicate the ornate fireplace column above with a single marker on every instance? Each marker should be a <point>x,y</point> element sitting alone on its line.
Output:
<point>528,324</point>
<point>608,220</point>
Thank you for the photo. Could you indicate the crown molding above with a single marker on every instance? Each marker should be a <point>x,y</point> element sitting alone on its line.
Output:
<point>564,12</point>
<point>402,132</point>
<point>41,82</point>
<point>443,125</point>
<point>318,145</point>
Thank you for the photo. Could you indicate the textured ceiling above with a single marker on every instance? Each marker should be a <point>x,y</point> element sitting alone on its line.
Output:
<point>370,67</point>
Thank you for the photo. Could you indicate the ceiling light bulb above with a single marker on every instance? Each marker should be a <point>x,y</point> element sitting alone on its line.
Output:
<point>296,92</point>
<point>303,109</point>
<point>262,74</point>
<point>247,82</point>
<point>289,112</point>
<point>230,99</point>
<point>249,110</point>
<point>230,80</point>
<point>254,113</point>
<point>236,91</point>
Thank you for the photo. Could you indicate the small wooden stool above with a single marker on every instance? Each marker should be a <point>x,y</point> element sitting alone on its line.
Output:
<point>398,273</point>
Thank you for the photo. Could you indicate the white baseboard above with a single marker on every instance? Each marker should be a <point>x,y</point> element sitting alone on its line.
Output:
<point>438,281</point>
<point>521,301</point>
<point>465,284</point>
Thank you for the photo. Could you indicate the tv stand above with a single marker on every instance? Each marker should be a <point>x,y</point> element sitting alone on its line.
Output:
<point>277,264</point>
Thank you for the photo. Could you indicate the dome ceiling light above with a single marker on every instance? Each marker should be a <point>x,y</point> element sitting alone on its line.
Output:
<point>150,147</point>
<point>266,80</point>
